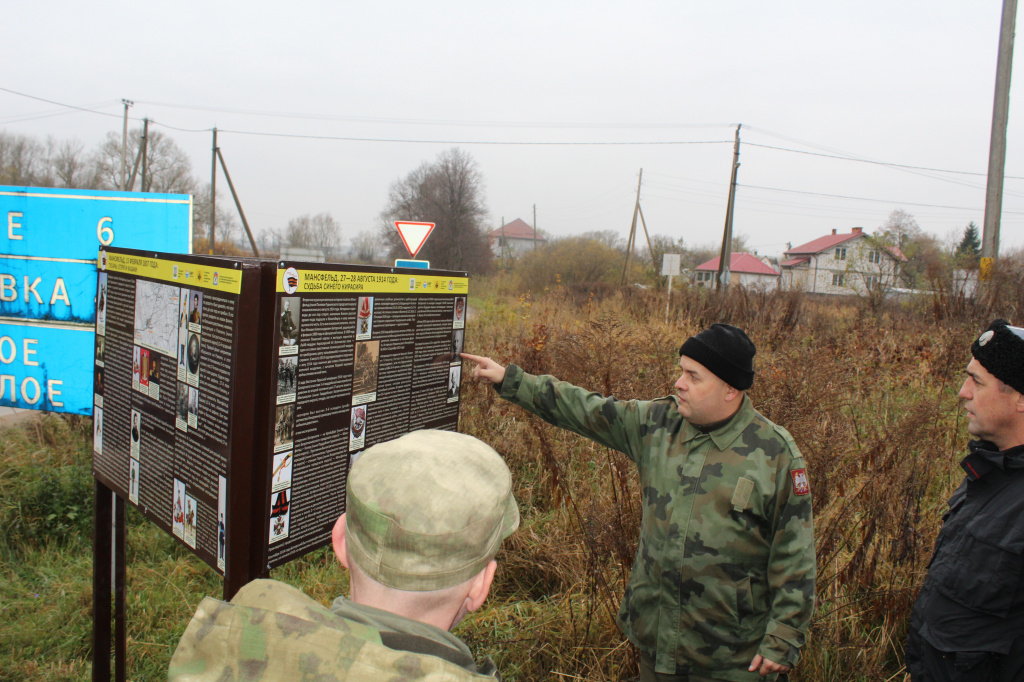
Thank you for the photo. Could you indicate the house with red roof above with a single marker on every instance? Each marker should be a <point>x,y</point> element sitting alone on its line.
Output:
<point>842,263</point>
<point>512,239</point>
<point>746,269</point>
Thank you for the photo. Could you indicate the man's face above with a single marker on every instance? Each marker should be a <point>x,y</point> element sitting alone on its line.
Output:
<point>703,397</point>
<point>992,409</point>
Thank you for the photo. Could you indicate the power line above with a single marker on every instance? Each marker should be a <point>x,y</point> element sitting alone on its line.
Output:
<point>470,142</point>
<point>60,104</point>
<point>844,196</point>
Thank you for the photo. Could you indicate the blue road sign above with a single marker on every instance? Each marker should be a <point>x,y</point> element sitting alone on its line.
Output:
<point>50,240</point>
<point>406,263</point>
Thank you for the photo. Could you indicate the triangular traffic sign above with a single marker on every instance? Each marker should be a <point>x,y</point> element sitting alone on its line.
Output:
<point>413,235</point>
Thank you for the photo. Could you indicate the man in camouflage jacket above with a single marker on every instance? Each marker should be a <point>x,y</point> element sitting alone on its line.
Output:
<point>425,516</point>
<point>722,585</point>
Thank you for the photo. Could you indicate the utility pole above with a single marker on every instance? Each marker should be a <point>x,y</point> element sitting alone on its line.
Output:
<point>145,152</point>
<point>997,144</point>
<point>632,231</point>
<point>535,227</point>
<point>124,142</point>
<point>213,193</point>
<point>725,259</point>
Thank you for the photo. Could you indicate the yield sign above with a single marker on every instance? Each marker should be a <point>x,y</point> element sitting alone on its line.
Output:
<point>413,235</point>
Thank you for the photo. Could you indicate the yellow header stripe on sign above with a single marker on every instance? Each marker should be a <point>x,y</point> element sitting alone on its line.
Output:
<point>188,275</point>
<point>297,282</point>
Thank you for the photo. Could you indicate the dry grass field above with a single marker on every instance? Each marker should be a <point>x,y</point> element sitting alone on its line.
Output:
<point>868,395</point>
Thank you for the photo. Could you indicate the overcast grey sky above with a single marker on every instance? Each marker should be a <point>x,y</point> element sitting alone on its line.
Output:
<point>907,82</point>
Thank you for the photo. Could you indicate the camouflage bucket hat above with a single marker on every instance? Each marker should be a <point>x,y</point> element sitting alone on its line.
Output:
<point>428,510</point>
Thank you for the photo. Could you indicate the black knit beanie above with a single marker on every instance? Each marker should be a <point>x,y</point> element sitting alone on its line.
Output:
<point>1000,350</point>
<point>726,351</point>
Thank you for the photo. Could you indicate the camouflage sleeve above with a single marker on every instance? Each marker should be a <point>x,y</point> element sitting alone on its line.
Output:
<point>791,564</point>
<point>610,422</point>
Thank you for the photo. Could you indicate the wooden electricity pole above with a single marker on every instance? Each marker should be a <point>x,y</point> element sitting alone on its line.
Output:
<point>213,193</point>
<point>997,144</point>
<point>632,231</point>
<point>725,258</point>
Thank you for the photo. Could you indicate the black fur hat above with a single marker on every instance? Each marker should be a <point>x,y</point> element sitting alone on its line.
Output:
<point>725,350</point>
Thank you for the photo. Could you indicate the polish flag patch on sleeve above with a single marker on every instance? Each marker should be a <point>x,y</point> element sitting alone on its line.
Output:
<point>800,484</point>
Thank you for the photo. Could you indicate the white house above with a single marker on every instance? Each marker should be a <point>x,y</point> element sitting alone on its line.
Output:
<point>746,270</point>
<point>514,238</point>
<point>847,263</point>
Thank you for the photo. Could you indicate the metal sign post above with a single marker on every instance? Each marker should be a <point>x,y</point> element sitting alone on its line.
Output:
<point>669,266</point>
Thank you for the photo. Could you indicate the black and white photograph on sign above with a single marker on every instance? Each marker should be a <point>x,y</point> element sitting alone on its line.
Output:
<point>454,377</point>
<point>287,371</point>
<point>181,415</point>
<point>190,522</point>
<point>279,515</point>
<point>136,367</point>
<point>154,376</point>
<point>457,337</point>
<point>284,427</point>
<point>281,476</point>
<point>178,509</point>
<point>101,349</point>
<point>156,316</point>
<point>97,430</point>
<point>193,407</point>
<point>459,316</point>
<point>195,311</point>
<point>136,434</point>
<point>357,428</point>
<point>182,332</point>
<point>364,372</point>
<point>97,387</point>
<point>288,318</point>
<point>222,499</point>
<point>364,318</point>
<point>192,360</point>
<point>101,305</point>
<point>133,481</point>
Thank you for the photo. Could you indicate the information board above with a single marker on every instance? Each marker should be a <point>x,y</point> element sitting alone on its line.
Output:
<point>48,282</point>
<point>232,396</point>
<point>172,415</point>
<point>361,355</point>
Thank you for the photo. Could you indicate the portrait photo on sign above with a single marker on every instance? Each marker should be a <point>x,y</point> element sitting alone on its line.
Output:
<point>457,341</point>
<point>101,304</point>
<point>182,405</point>
<point>284,427</point>
<point>192,361</point>
<point>364,370</point>
<point>280,514</point>
<point>101,349</point>
<point>193,407</point>
<point>459,315</point>
<point>222,495</point>
<point>135,434</point>
<point>364,318</point>
<point>133,481</point>
<point>191,514</point>
<point>195,311</point>
<point>454,377</point>
<point>97,430</point>
<point>288,319</point>
<point>144,369</point>
<point>136,366</point>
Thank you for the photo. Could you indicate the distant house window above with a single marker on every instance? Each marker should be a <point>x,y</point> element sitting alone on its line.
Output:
<point>872,282</point>
<point>841,253</point>
<point>874,256</point>
<point>837,278</point>
<point>501,241</point>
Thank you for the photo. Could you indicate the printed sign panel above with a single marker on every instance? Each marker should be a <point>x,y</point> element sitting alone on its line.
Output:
<point>48,273</point>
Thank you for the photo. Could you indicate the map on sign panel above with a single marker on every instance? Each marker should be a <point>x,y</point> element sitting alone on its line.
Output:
<point>156,316</point>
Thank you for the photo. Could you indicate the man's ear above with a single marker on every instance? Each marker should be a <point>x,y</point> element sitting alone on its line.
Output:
<point>731,393</point>
<point>338,540</point>
<point>481,586</point>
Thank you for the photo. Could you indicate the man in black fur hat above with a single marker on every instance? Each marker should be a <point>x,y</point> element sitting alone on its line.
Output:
<point>968,622</point>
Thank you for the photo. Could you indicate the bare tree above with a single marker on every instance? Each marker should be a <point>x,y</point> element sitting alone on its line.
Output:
<point>449,193</point>
<point>71,165</point>
<point>168,166</point>
<point>227,226</point>
<point>367,247</point>
<point>320,232</point>
<point>22,160</point>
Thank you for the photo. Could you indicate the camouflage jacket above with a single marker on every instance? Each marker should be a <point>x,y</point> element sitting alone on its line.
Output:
<point>724,567</point>
<point>272,631</point>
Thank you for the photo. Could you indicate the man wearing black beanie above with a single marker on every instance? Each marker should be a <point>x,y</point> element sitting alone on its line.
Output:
<point>722,587</point>
<point>968,621</point>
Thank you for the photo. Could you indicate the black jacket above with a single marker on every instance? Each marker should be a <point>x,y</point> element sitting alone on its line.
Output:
<point>973,597</point>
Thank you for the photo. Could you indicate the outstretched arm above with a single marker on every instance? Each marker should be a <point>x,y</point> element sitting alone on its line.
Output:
<point>486,369</point>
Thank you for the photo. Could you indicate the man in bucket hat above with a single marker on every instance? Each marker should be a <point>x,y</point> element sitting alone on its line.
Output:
<point>722,587</point>
<point>426,514</point>
<point>968,621</point>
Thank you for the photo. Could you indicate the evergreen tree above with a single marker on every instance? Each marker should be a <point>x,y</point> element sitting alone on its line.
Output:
<point>969,248</point>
